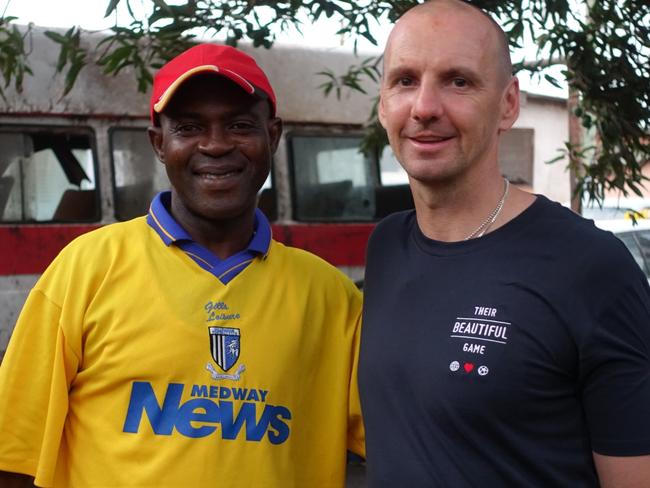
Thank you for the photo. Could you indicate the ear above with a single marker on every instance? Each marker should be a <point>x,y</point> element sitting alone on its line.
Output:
<point>155,137</point>
<point>275,131</point>
<point>509,105</point>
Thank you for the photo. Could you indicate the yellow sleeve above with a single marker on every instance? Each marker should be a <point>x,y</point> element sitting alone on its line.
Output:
<point>356,433</point>
<point>35,376</point>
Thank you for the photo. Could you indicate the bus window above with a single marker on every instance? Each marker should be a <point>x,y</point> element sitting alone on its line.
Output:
<point>333,180</point>
<point>390,171</point>
<point>394,194</point>
<point>267,200</point>
<point>47,175</point>
<point>138,175</point>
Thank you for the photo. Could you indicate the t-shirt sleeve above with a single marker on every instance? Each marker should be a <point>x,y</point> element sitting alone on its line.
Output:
<point>35,376</point>
<point>615,371</point>
<point>356,435</point>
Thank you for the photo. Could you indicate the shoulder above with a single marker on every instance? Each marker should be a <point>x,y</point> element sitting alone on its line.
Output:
<point>96,249</point>
<point>111,237</point>
<point>572,230</point>
<point>303,265</point>
<point>598,253</point>
<point>395,227</point>
<point>119,232</point>
<point>85,262</point>
<point>395,221</point>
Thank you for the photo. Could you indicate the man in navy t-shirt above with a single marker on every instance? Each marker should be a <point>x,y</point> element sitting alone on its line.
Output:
<point>506,340</point>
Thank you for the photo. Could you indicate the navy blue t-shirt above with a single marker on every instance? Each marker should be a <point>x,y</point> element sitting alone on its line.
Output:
<point>504,360</point>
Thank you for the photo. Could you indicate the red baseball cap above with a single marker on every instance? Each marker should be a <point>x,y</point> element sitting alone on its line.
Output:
<point>208,58</point>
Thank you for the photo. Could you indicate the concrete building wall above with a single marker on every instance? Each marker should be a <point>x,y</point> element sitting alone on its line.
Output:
<point>549,119</point>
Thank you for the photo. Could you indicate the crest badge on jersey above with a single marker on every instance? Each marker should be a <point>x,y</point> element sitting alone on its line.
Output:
<point>224,346</point>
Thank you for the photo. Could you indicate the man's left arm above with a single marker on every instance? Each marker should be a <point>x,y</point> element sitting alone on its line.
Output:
<point>616,379</point>
<point>623,472</point>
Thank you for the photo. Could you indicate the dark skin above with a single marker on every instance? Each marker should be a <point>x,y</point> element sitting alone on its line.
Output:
<point>216,142</point>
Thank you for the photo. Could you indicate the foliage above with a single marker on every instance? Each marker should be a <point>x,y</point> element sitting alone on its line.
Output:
<point>13,54</point>
<point>604,46</point>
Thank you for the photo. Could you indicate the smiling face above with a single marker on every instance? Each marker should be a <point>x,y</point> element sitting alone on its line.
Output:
<point>446,92</point>
<point>216,142</point>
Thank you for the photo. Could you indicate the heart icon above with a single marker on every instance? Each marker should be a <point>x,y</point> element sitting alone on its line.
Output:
<point>468,367</point>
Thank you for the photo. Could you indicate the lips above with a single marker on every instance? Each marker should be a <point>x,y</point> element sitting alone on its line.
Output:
<point>218,177</point>
<point>218,172</point>
<point>430,143</point>
<point>430,138</point>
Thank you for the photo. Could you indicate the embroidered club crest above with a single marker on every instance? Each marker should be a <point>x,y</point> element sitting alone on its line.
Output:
<point>224,346</point>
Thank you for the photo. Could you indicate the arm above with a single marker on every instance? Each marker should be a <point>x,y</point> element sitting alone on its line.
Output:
<point>623,472</point>
<point>15,480</point>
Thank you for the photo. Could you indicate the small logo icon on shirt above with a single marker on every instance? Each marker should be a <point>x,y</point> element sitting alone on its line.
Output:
<point>454,366</point>
<point>224,346</point>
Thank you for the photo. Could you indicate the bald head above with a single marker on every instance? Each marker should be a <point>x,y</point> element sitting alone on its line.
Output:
<point>427,13</point>
<point>447,92</point>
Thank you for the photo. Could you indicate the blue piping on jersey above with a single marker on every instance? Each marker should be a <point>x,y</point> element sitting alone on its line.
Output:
<point>170,232</point>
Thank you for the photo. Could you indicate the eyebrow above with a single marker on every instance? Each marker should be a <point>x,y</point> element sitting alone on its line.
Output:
<point>450,72</point>
<point>464,71</point>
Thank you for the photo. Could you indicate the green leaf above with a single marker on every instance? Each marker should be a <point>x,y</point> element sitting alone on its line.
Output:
<point>72,74</point>
<point>552,81</point>
<point>55,36</point>
<point>112,5</point>
<point>162,5</point>
<point>556,159</point>
<point>63,58</point>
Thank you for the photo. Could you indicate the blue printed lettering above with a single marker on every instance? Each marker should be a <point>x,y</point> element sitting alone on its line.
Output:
<point>197,417</point>
<point>197,410</point>
<point>239,393</point>
<point>280,432</point>
<point>200,391</point>
<point>143,399</point>
<point>230,427</point>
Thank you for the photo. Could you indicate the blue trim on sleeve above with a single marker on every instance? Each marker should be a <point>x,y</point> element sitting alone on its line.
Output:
<point>170,232</point>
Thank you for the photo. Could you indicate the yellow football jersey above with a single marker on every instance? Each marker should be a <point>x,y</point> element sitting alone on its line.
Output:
<point>132,366</point>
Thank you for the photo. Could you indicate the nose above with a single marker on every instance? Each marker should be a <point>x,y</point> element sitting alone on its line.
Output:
<point>215,142</point>
<point>427,104</point>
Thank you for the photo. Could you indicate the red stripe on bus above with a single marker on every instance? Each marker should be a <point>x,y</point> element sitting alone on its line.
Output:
<point>29,249</point>
<point>339,244</point>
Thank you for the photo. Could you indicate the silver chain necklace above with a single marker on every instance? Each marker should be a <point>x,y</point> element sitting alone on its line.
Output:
<point>485,225</point>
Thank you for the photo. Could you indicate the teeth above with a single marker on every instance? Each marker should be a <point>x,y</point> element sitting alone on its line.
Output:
<point>215,176</point>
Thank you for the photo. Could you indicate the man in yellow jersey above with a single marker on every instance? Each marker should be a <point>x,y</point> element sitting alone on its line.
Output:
<point>188,348</point>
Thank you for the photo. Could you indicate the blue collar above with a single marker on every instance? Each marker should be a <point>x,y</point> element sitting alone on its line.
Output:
<point>170,232</point>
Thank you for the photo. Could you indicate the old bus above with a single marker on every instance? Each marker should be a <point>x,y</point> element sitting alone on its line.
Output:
<point>71,164</point>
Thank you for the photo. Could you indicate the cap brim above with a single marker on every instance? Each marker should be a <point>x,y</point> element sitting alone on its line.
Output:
<point>164,99</point>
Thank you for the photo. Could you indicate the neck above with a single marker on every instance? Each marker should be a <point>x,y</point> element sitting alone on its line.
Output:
<point>223,237</point>
<point>452,211</point>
